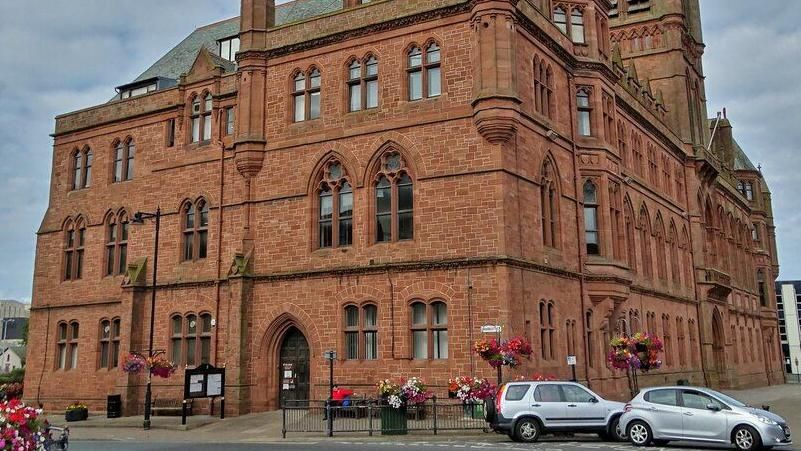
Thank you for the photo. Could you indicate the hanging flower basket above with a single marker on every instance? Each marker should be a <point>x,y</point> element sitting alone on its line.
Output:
<point>158,364</point>
<point>471,389</point>
<point>507,353</point>
<point>639,351</point>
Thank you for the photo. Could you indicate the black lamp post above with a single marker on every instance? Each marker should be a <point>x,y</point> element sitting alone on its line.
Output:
<point>139,218</point>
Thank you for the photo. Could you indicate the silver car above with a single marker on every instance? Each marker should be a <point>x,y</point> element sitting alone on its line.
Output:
<point>527,410</point>
<point>662,414</point>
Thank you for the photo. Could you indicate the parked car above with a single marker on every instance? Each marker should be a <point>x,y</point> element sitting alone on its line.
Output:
<point>527,410</point>
<point>662,414</point>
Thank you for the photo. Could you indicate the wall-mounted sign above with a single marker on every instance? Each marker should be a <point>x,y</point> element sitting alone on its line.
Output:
<point>490,329</point>
<point>571,360</point>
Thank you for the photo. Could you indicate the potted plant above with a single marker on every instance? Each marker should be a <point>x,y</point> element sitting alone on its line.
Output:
<point>20,426</point>
<point>395,398</point>
<point>472,391</point>
<point>76,411</point>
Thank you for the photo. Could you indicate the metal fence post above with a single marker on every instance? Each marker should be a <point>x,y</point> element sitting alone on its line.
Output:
<point>370,418</point>
<point>434,408</point>
<point>283,421</point>
<point>330,413</point>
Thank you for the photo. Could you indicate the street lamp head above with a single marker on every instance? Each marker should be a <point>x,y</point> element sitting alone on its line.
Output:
<point>138,218</point>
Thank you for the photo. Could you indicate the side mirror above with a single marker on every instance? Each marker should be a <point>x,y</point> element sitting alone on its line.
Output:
<point>593,400</point>
<point>713,407</point>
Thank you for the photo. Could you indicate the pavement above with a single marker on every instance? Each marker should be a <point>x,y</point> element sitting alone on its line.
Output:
<point>263,431</point>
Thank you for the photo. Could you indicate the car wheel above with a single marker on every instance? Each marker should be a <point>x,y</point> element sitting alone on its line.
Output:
<point>489,410</point>
<point>661,442</point>
<point>639,433</point>
<point>746,438</point>
<point>616,432</point>
<point>527,430</point>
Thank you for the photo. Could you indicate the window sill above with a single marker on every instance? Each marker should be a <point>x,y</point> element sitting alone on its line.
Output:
<point>198,144</point>
<point>120,182</point>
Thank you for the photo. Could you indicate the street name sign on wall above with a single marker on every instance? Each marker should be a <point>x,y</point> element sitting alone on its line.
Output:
<point>490,329</point>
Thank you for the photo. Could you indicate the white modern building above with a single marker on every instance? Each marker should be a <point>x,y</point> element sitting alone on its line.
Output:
<point>788,302</point>
<point>10,308</point>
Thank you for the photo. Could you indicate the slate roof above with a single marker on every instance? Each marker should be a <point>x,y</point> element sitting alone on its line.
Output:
<point>741,160</point>
<point>180,59</point>
<point>19,350</point>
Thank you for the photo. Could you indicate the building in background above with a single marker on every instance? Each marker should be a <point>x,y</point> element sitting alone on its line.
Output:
<point>788,303</point>
<point>14,309</point>
<point>12,358</point>
<point>381,178</point>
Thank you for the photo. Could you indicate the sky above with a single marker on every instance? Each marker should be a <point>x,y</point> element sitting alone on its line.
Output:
<point>62,55</point>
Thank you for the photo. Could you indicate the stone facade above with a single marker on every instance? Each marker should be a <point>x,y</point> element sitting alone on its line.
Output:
<point>500,167</point>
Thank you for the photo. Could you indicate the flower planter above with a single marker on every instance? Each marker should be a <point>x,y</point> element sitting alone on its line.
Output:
<point>473,410</point>
<point>393,421</point>
<point>76,415</point>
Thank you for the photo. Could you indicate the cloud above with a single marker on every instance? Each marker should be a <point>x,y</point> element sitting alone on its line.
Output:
<point>59,56</point>
<point>753,56</point>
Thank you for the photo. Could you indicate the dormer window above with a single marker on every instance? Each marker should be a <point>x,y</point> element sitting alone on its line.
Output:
<point>746,189</point>
<point>228,48</point>
<point>138,91</point>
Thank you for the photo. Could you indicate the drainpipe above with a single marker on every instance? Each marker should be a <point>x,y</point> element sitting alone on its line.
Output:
<point>219,234</point>
<point>579,219</point>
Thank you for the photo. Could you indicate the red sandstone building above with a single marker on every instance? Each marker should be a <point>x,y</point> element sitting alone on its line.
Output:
<point>381,179</point>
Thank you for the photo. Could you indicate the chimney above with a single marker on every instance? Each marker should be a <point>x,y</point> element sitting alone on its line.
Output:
<point>256,17</point>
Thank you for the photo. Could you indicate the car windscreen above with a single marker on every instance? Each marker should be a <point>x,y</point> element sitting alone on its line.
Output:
<point>727,399</point>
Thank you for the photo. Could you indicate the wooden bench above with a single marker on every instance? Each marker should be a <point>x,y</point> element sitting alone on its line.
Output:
<point>170,407</point>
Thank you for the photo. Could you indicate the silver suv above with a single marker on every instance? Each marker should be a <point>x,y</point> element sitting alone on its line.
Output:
<point>662,414</point>
<point>526,410</point>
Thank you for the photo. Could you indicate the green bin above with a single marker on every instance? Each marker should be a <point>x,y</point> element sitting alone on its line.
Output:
<point>393,421</point>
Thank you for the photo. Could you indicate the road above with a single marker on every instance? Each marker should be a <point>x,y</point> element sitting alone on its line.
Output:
<point>375,445</point>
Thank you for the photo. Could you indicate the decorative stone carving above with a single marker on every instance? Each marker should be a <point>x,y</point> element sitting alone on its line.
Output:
<point>135,273</point>
<point>240,266</point>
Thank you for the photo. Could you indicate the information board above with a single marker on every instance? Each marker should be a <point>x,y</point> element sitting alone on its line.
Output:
<point>205,381</point>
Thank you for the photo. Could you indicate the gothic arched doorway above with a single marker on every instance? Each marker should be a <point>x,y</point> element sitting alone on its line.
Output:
<point>293,367</point>
<point>719,346</point>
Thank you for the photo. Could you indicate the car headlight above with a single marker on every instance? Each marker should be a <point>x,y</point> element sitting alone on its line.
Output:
<point>765,420</point>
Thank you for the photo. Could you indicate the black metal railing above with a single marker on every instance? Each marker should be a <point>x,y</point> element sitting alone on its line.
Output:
<point>371,416</point>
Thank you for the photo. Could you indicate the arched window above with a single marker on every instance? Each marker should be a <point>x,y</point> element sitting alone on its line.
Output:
<point>363,84</point>
<point>361,332</point>
<point>74,240</point>
<point>680,341</point>
<point>82,168</point>
<point>335,198</point>
<point>116,244</point>
<point>543,87</point>
<point>77,165</point>
<point>675,261</point>
<point>667,340</point>
<point>763,299</point>
<point>645,245</point>
<point>190,339</point>
<point>196,230</point>
<point>306,95</point>
<point>584,114</point>
<point>201,118</point>
<point>72,344</point>
<point>547,330</point>
<point>570,336</point>
<point>560,19</point>
<point>591,234</point>
<point>694,351</point>
<point>61,345</point>
<point>124,153</point>
<point>429,330</point>
<point>109,343</point>
<point>394,199</point>
<point>622,145</point>
<point>577,26</point>
<point>549,198</point>
<point>423,72</point>
<point>661,263</point>
<point>735,350</point>
<point>589,343</point>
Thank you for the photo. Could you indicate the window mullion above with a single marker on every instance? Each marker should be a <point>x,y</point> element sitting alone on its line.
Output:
<point>335,218</point>
<point>394,210</point>
<point>424,73</point>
